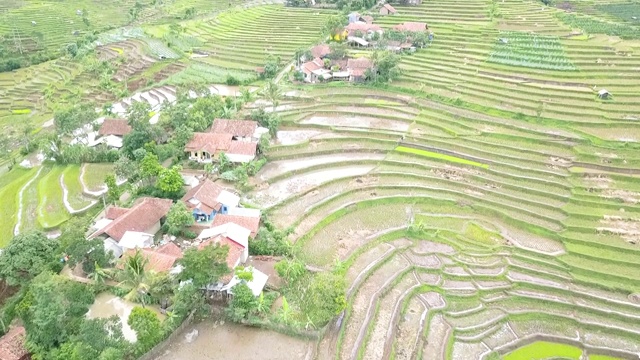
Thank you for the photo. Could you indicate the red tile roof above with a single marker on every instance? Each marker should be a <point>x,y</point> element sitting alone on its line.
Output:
<point>118,127</point>
<point>140,217</point>
<point>235,249</point>
<point>247,222</point>
<point>353,28</point>
<point>207,193</point>
<point>359,63</point>
<point>242,148</point>
<point>390,8</point>
<point>114,212</point>
<point>320,51</point>
<point>311,66</point>
<point>411,26</point>
<point>244,128</point>
<point>159,260</point>
<point>367,18</point>
<point>209,142</point>
<point>12,345</point>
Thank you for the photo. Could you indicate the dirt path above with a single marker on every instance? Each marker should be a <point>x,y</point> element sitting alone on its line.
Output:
<point>16,229</point>
<point>65,199</point>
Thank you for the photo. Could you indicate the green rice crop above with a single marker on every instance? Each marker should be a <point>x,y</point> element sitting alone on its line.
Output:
<point>544,350</point>
<point>595,26</point>
<point>436,155</point>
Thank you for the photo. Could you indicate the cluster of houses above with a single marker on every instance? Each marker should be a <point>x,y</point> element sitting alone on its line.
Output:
<point>219,219</point>
<point>359,32</point>
<point>238,139</point>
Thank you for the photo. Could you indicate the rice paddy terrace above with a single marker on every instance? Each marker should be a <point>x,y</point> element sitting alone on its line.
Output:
<point>47,196</point>
<point>485,205</point>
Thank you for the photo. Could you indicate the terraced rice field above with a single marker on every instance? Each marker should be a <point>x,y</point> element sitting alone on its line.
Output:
<point>478,210</point>
<point>46,196</point>
<point>243,39</point>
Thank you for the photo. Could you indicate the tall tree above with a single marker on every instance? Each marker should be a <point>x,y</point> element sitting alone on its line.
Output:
<point>178,218</point>
<point>273,93</point>
<point>170,182</point>
<point>27,255</point>
<point>113,191</point>
<point>134,277</point>
<point>243,304</point>
<point>204,266</point>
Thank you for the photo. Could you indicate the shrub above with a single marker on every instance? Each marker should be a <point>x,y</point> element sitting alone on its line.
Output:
<point>232,81</point>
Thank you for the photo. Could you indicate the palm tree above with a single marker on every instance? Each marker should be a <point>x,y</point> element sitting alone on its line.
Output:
<point>273,93</point>
<point>99,275</point>
<point>227,113</point>
<point>246,95</point>
<point>134,277</point>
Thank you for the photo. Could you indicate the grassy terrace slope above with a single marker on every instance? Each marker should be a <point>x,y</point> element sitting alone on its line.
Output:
<point>476,205</point>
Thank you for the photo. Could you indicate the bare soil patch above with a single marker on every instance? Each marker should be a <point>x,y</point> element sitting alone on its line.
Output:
<point>358,122</point>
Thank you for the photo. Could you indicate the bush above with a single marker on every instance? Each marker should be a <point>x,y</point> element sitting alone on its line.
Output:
<point>232,81</point>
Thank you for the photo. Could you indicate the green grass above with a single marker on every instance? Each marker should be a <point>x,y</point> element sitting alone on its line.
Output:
<point>435,155</point>
<point>542,350</point>
<point>51,211</point>
<point>72,182</point>
<point>11,184</point>
<point>21,111</point>
<point>94,175</point>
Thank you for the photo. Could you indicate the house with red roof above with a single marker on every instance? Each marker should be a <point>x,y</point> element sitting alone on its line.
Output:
<point>387,9</point>
<point>112,132</point>
<point>248,222</point>
<point>358,67</point>
<point>240,130</point>
<point>208,199</point>
<point>131,228</point>
<point>236,238</point>
<point>411,27</point>
<point>159,260</point>
<point>12,345</point>
<point>313,70</point>
<point>207,147</point>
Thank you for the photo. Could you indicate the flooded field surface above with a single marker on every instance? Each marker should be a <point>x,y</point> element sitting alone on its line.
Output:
<point>107,305</point>
<point>231,341</point>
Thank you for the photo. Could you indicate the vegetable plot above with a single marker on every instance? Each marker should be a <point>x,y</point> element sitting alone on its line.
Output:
<point>530,50</point>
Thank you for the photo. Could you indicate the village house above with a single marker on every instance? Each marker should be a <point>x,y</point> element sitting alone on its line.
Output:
<point>206,147</point>
<point>159,260</point>
<point>387,9</point>
<point>112,132</point>
<point>363,30</point>
<point>12,345</point>
<point>131,227</point>
<point>411,27</point>
<point>357,68</point>
<point>208,199</point>
<point>320,51</point>
<point>314,70</point>
<point>367,18</point>
<point>236,238</point>
<point>240,130</point>
<point>248,222</point>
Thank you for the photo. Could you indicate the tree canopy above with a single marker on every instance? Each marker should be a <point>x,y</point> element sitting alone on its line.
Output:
<point>204,266</point>
<point>178,218</point>
<point>27,255</point>
<point>147,327</point>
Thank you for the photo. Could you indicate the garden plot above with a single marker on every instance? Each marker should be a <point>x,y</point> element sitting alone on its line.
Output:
<point>277,168</point>
<point>51,211</point>
<point>358,122</point>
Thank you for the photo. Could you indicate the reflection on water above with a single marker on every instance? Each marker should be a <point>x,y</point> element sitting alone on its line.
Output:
<point>107,305</point>
<point>232,341</point>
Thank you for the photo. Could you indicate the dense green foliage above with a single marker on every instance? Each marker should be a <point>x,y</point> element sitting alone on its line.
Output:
<point>205,266</point>
<point>26,256</point>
